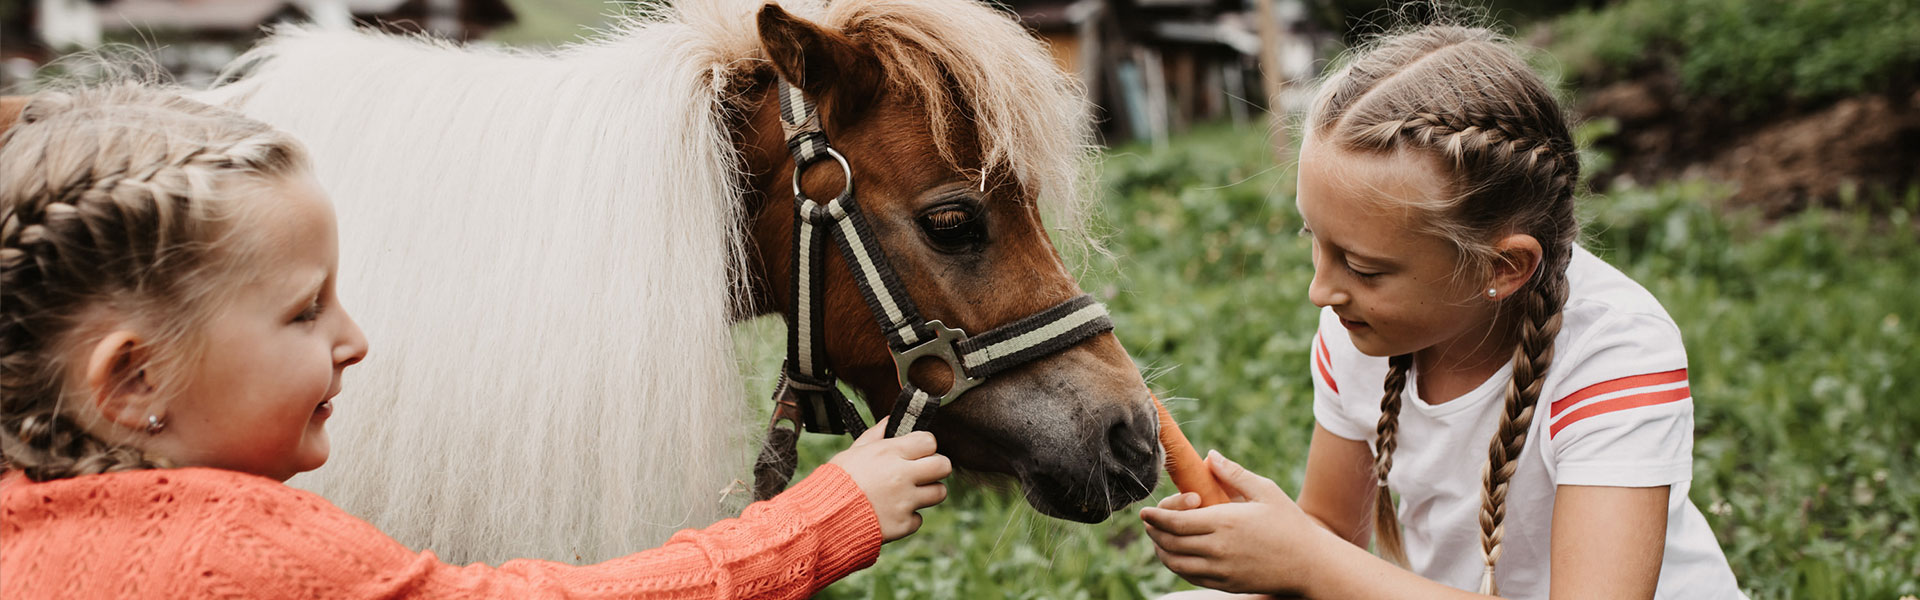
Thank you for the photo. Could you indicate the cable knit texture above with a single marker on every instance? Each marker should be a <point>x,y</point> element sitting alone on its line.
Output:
<point>210,533</point>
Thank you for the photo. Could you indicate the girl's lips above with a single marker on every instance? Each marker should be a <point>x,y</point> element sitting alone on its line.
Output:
<point>324,410</point>
<point>1352,325</point>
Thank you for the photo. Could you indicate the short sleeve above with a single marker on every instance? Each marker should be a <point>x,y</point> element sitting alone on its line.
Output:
<point>1622,415</point>
<point>1328,410</point>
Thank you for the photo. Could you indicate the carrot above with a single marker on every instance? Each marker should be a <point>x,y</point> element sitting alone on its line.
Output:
<point>1184,465</point>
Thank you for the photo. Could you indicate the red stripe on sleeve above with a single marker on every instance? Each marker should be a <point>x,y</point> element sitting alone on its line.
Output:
<point>1620,404</point>
<point>1607,387</point>
<point>1320,360</point>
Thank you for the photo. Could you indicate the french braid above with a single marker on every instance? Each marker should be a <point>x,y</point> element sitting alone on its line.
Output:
<point>112,199</point>
<point>1462,95</point>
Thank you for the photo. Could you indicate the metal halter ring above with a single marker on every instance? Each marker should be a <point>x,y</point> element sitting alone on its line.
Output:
<point>845,171</point>
<point>941,347</point>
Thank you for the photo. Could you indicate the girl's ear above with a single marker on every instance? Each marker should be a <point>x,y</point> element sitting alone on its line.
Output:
<point>1517,256</point>
<point>116,381</point>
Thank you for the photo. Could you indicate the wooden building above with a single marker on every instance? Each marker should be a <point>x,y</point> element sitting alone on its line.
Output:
<point>193,39</point>
<point>1155,67</point>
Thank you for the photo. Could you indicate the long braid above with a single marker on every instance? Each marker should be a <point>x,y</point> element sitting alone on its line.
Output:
<point>111,198</point>
<point>1386,521</point>
<point>1539,324</point>
<point>1461,95</point>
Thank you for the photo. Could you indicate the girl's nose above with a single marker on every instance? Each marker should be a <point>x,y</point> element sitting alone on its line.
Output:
<point>352,345</point>
<point>1322,292</point>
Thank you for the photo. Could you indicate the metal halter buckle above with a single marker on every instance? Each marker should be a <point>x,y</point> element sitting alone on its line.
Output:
<point>846,172</point>
<point>940,347</point>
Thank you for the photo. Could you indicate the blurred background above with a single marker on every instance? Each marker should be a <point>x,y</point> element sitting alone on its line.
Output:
<point>1752,162</point>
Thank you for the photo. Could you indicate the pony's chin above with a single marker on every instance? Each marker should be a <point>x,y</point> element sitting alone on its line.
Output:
<point>1055,498</point>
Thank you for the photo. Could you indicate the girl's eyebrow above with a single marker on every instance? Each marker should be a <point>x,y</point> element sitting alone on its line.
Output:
<point>311,290</point>
<point>1368,258</point>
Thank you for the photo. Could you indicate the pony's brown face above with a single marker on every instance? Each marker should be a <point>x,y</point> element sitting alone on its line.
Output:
<point>1076,428</point>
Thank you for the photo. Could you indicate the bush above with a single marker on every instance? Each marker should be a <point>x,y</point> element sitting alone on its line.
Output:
<point>1755,55</point>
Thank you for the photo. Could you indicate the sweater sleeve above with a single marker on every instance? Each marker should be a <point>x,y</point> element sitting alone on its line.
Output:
<point>295,544</point>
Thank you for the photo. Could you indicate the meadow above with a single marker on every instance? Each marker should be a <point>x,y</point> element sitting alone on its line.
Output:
<point>1800,334</point>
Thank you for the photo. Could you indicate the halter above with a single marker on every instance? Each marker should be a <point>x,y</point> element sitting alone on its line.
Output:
<point>806,394</point>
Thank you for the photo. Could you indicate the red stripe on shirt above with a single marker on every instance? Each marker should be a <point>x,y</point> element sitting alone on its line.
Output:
<point>1619,404</point>
<point>1320,360</point>
<point>1608,387</point>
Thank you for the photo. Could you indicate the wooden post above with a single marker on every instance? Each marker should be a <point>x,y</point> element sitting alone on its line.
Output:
<point>1273,80</point>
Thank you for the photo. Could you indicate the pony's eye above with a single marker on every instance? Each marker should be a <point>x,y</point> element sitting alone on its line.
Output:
<point>953,228</point>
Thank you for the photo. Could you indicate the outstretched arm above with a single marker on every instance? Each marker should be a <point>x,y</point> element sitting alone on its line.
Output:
<point>1264,543</point>
<point>286,542</point>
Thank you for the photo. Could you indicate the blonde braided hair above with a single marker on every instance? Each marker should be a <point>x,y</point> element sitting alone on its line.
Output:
<point>1462,95</point>
<point>1388,538</point>
<point>114,200</point>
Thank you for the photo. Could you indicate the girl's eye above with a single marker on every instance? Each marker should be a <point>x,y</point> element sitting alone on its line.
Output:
<point>1361,274</point>
<point>953,228</point>
<point>310,313</point>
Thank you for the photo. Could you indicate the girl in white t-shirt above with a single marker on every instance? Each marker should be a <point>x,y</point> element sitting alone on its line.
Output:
<point>1526,402</point>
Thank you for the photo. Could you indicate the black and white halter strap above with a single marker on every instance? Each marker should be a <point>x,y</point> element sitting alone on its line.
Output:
<point>808,385</point>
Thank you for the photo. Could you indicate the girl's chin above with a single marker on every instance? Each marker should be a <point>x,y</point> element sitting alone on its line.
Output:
<point>1369,343</point>
<point>313,452</point>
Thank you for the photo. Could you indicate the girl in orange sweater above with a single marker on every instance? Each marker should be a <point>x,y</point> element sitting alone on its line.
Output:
<point>170,344</point>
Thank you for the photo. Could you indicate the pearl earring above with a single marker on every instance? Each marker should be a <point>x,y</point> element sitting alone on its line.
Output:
<point>154,424</point>
<point>1492,293</point>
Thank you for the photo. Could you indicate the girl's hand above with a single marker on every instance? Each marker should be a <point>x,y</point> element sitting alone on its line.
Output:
<point>1259,543</point>
<point>899,476</point>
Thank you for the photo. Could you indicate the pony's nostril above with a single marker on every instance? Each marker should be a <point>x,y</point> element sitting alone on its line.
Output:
<point>1127,442</point>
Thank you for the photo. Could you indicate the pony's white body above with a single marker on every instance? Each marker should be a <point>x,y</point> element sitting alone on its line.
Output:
<point>543,250</point>
<point>540,249</point>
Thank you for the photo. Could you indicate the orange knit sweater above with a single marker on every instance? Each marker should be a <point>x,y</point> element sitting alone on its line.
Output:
<point>209,533</point>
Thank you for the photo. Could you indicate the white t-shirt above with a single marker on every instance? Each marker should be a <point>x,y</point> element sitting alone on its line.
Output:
<point>1615,411</point>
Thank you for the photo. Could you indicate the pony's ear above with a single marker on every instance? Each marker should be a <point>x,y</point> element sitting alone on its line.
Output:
<point>830,67</point>
<point>10,107</point>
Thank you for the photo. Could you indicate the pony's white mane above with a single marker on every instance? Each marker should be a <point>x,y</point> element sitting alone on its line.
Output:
<point>543,249</point>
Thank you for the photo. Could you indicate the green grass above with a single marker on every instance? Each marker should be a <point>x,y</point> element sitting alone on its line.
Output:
<point>1800,335</point>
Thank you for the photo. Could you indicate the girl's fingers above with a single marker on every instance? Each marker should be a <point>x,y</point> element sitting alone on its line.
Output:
<point>1179,544</point>
<point>931,468</point>
<point>1181,501</point>
<point>918,444</point>
<point>932,494</point>
<point>1191,568</point>
<point>1177,522</point>
<point>1243,485</point>
<point>873,434</point>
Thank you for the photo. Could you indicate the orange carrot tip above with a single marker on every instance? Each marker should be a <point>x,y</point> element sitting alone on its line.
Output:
<point>1189,472</point>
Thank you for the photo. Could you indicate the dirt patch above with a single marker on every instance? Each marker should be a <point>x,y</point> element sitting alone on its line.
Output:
<point>1780,163</point>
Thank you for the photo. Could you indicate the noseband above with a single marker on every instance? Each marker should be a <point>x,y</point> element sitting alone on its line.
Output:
<point>807,394</point>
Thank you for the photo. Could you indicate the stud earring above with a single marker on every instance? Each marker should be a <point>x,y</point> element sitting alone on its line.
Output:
<point>1492,293</point>
<point>154,424</point>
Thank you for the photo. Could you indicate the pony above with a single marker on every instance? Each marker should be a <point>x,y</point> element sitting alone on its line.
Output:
<point>550,250</point>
